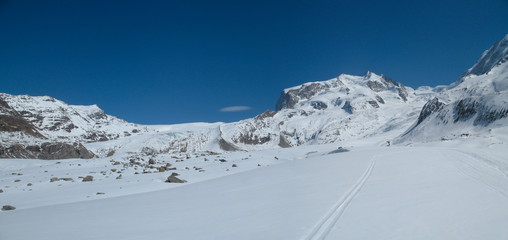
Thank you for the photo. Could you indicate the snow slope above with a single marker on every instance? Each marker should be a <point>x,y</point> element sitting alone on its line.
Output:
<point>445,178</point>
<point>476,103</point>
<point>57,120</point>
<point>425,192</point>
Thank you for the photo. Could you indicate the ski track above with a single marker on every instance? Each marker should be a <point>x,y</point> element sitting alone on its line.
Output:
<point>468,166</point>
<point>325,225</point>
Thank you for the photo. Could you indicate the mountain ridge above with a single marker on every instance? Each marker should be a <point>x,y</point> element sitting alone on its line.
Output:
<point>370,108</point>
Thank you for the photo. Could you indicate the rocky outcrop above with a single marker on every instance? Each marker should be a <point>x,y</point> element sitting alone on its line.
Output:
<point>347,107</point>
<point>290,97</point>
<point>45,151</point>
<point>227,146</point>
<point>174,179</point>
<point>318,105</point>
<point>384,83</point>
<point>430,107</point>
<point>267,114</point>
<point>283,143</point>
<point>12,121</point>
<point>373,103</point>
<point>55,119</point>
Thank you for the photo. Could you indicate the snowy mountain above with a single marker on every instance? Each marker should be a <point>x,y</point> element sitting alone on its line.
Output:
<point>279,175</point>
<point>55,119</point>
<point>342,109</point>
<point>477,102</point>
<point>369,109</point>
<point>43,127</point>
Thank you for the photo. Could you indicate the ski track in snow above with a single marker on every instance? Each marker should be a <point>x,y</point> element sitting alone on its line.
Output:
<point>323,228</point>
<point>470,166</point>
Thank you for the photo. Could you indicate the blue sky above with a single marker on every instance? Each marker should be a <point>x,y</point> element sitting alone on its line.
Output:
<point>163,62</point>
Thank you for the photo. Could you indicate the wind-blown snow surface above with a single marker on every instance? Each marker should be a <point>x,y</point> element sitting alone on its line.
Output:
<point>447,190</point>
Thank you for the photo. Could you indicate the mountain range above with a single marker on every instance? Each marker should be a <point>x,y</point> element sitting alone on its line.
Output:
<point>346,110</point>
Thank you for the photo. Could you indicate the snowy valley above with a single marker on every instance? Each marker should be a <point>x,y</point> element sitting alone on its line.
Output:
<point>353,157</point>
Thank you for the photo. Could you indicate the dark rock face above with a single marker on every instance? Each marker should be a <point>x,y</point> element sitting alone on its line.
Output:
<point>430,107</point>
<point>380,100</point>
<point>347,107</point>
<point>283,143</point>
<point>226,146</point>
<point>251,139</point>
<point>464,110</point>
<point>318,105</point>
<point>376,86</point>
<point>385,84</point>
<point>267,114</point>
<point>337,102</point>
<point>290,98</point>
<point>484,114</point>
<point>46,151</point>
<point>12,121</point>
<point>373,103</point>
<point>485,118</point>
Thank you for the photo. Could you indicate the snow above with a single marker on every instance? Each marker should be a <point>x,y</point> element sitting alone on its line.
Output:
<point>447,190</point>
<point>369,172</point>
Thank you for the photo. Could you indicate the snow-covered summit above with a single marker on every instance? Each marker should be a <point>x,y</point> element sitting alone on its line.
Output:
<point>495,56</point>
<point>55,119</point>
<point>343,84</point>
<point>476,103</point>
<point>348,109</point>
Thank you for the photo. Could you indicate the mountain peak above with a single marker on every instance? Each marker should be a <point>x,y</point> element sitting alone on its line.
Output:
<point>496,55</point>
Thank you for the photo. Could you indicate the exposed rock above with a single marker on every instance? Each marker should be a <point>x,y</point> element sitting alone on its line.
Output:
<point>12,121</point>
<point>337,102</point>
<point>54,179</point>
<point>234,165</point>
<point>384,84</point>
<point>252,139</point>
<point>88,178</point>
<point>283,143</point>
<point>267,114</point>
<point>376,86</point>
<point>430,107</point>
<point>174,179</point>
<point>8,208</point>
<point>373,103</point>
<point>226,146</point>
<point>380,100</point>
<point>289,98</point>
<point>339,150</point>
<point>318,105</point>
<point>464,110</point>
<point>347,107</point>
<point>45,151</point>
<point>110,153</point>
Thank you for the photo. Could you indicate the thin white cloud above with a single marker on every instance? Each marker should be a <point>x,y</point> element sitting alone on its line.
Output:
<point>235,109</point>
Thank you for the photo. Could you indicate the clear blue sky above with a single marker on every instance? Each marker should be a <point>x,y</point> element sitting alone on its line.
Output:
<point>162,62</point>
